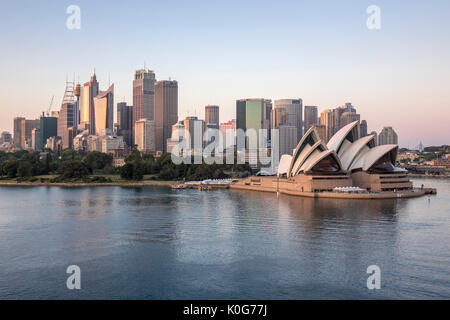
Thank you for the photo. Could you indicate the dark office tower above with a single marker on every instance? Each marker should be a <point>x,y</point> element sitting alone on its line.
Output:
<point>66,120</point>
<point>363,128</point>
<point>267,117</point>
<point>48,128</point>
<point>143,95</point>
<point>18,131</point>
<point>87,112</point>
<point>241,115</point>
<point>68,114</point>
<point>311,115</point>
<point>212,116</point>
<point>166,111</point>
<point>125,122</point>
<point>294,113</point>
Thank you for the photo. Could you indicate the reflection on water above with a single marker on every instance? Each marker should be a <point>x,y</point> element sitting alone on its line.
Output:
<point>155,243</point>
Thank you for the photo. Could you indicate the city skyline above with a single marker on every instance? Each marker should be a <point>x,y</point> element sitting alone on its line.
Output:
<point>401,68</point>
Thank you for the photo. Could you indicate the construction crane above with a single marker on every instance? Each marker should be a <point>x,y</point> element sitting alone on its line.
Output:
<point>50,106</point>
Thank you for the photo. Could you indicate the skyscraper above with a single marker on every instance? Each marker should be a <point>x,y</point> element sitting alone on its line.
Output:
<point>125,122</point>
<point>26,127</point>
<point>387,136</point>
<point>165,112</point>
<point>327,120</point>
<point>363,128</point>
<point>87,110</point>
<point>145,135</point>
<point>212,116</point>
<point>348,117</point>
<point>5,137</point>
<point>195,128</point>
<point>322,131</point>
<point>288,139</point>
<point>143,95</point>
<point>66,120</point>
<point>48,128</point>
<point>252,114</point>
<point>337,115</point>
<point>294,113</point>
<point>104,111</point>
<point>35,139</point>
<point>18,131</point>
<point>228,131</point>
<point>311,116</point>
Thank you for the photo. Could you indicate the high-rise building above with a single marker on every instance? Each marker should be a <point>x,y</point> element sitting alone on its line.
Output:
<point>165,112</point>
<point>212,116</point>
<point>374,133</point>
<point>35,139</point>
<point>143,95</point>
<point>337,115</point>
<point>5,137</point>
<point>125,122</point>
<point>104,111</point>
<point>228,131</point>
<point>311,116</point>
<point>363,128</point>
<point>294,113</point>
<point>48,128</point>
<point>322,131</point>
<point>327,119</point>
<point>26,127</point>
<point>178,134</point>
<point>66,120</point>
<point>287,139</point>
<point>278,117</point>
<point>269,109</point>
<point>196,129</point>
<point>251,114</point>
<point>87,111</point>
<point>18,131</point>
<point>387,136</point>
<point>145,135</point>
<point>347,118</point>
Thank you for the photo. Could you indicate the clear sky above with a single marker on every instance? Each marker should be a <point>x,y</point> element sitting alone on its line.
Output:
<point>220,51</point>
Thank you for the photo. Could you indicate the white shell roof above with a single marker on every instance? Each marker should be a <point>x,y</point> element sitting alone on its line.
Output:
<point>314,135</point>
<point>367,159</point>
<point>315,159</point>
<point>283,166</point>
<point>305,154</point>
<point>336,140</point>
<point>350,153</point>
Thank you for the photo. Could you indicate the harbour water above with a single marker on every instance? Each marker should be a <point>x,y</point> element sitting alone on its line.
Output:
<point>158,243</point>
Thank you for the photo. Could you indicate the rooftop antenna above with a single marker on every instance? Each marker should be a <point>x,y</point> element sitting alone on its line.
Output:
<point>109,79</point>
<point>144,65</point>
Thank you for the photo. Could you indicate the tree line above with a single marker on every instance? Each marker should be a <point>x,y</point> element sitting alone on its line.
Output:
<point>77,165</point>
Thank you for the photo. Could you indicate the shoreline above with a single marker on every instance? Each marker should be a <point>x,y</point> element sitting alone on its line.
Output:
<point>155,183</point>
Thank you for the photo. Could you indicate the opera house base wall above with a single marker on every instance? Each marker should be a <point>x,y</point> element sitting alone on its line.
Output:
<point>375,182</point>
<point>302,183</point>
<point>322,187</point>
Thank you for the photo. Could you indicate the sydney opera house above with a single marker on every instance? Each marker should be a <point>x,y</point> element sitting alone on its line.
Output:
<point>347,166</point>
